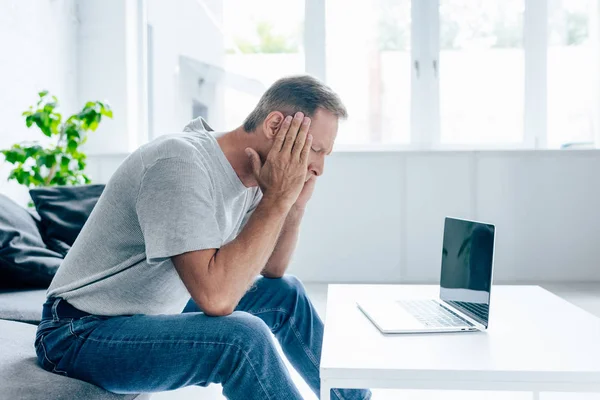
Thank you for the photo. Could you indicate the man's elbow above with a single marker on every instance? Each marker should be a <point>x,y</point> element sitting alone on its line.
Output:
<point>219,311</point>
<point>216,307</point>
<point>273,274</point>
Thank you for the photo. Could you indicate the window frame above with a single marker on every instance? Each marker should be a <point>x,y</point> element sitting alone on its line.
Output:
<point>425,87</point>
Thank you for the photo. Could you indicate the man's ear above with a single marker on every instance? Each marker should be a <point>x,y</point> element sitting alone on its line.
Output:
<point>272,123</point>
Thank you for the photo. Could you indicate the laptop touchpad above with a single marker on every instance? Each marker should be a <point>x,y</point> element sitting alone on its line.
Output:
<point>390,316</point>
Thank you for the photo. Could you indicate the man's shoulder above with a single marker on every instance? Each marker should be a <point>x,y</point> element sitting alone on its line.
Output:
<point>180,147</point>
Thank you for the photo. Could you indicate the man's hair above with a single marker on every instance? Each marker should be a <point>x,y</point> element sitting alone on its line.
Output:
<point>292,94</point>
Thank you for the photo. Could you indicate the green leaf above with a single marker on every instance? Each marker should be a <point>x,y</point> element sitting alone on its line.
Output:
<point>43,93</point>
<point>37,179</point>
<point>72,146</point>
<point>72,132</point>
<point>29,121</point>
<point>49,107</point>
<point>105,110</point>
<point>32,150</point>
<point>42,121</point>
<point>16,155</point>
<point>22,176</point>
<point>50,160</point>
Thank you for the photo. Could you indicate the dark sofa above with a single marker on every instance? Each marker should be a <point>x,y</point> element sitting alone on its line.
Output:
<point>32,245</point>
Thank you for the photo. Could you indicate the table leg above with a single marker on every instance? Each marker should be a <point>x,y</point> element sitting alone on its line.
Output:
<point>536,395</point>
<point>326,390</point>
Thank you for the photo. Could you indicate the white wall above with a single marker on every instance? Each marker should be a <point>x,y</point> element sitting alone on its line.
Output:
<point>111,62</point>
<point>37,51</point>
<point>378,217</point>
<point>173,37</point>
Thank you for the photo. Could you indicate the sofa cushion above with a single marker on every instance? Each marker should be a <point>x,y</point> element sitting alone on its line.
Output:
<point>64,210</point>
<point>22,305</point>
<point>25,261</point>
<point>22,378</point>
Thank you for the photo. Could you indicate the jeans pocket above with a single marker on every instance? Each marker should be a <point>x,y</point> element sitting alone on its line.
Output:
<point>81,326</point>
<point>44,359</point>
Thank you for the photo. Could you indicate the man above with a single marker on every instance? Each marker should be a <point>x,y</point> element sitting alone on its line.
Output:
<point>201,215</point>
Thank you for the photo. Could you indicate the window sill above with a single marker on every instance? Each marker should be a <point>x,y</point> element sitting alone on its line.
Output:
<point>397,148</point>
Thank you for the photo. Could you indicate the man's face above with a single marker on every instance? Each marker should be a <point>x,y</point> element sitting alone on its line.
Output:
<point>323,128</point>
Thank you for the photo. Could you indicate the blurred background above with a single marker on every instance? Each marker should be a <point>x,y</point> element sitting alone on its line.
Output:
<point>472,108</point>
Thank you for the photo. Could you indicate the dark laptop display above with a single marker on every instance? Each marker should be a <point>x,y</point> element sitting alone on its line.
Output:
<point>467,258</point>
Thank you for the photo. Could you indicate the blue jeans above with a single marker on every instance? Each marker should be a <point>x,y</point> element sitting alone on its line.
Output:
<point>153,353</point>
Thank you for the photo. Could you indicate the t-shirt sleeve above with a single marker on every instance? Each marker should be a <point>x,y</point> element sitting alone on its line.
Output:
<point>176,210</point>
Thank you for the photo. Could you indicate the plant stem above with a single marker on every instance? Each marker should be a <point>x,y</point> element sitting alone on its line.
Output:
<point>51,174</point>
<point>52,171</point>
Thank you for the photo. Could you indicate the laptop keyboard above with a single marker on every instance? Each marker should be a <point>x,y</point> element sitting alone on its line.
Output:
<point>480,311</point>
<point>432,314</point>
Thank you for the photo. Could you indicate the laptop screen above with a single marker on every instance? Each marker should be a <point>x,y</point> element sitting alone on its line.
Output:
<point>467,259</point>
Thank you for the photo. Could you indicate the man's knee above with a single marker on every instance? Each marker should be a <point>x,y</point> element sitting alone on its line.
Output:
<point>248,331</point>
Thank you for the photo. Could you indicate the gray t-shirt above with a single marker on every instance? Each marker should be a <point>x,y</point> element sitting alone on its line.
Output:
<point>175,194</point>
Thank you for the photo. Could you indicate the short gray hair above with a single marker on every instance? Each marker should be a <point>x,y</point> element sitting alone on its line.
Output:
<point>292,94</point>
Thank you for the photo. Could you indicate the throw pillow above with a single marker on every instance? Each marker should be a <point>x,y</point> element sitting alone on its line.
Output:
<point>64,210</point>
<point>25,261</point>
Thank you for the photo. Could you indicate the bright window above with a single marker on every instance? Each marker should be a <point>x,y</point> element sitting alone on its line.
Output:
<point>571,73</point>
<point>415,74</point>
<point>368,63</point>
<point>481,71</point>
<point>261,47</point>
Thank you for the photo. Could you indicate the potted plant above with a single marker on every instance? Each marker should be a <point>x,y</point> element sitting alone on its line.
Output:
<point>60,162</point>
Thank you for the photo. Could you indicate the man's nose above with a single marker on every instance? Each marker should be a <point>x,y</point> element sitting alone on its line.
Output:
<point>318,167</point>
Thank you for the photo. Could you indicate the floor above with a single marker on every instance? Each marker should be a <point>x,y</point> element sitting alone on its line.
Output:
<point>583,295</point>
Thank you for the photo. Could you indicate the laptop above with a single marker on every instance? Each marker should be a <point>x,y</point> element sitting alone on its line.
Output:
<point>465,284</point>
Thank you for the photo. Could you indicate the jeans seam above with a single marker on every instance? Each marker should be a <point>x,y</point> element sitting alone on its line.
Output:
<point>54,366</point>
<point>246,355</point>
<point>247,358</point>
<point>310,355</point>
<point>337,393</point>
<point>264,310</point>
<point>291,320</point>
<point>72,330</point>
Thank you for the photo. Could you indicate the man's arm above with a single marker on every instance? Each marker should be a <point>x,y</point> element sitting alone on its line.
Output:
<point>281,256</point>
<point>280,259</point>
<point>218,278</point>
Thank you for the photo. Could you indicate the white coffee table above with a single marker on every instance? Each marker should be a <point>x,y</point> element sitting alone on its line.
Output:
<point>536,342</point>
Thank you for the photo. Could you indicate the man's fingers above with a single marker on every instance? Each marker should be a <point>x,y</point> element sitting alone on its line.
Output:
<point>254,161</point>
<point>301,138</point>
<point>290,138</point>
<point>306,149</point>
<point>280,137</point>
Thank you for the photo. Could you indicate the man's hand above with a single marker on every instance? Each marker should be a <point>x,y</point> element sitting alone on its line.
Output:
<point>305,194</point>
<point>283,174</point>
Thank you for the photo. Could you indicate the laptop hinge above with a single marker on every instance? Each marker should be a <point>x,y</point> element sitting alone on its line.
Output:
<point>475,323</point>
